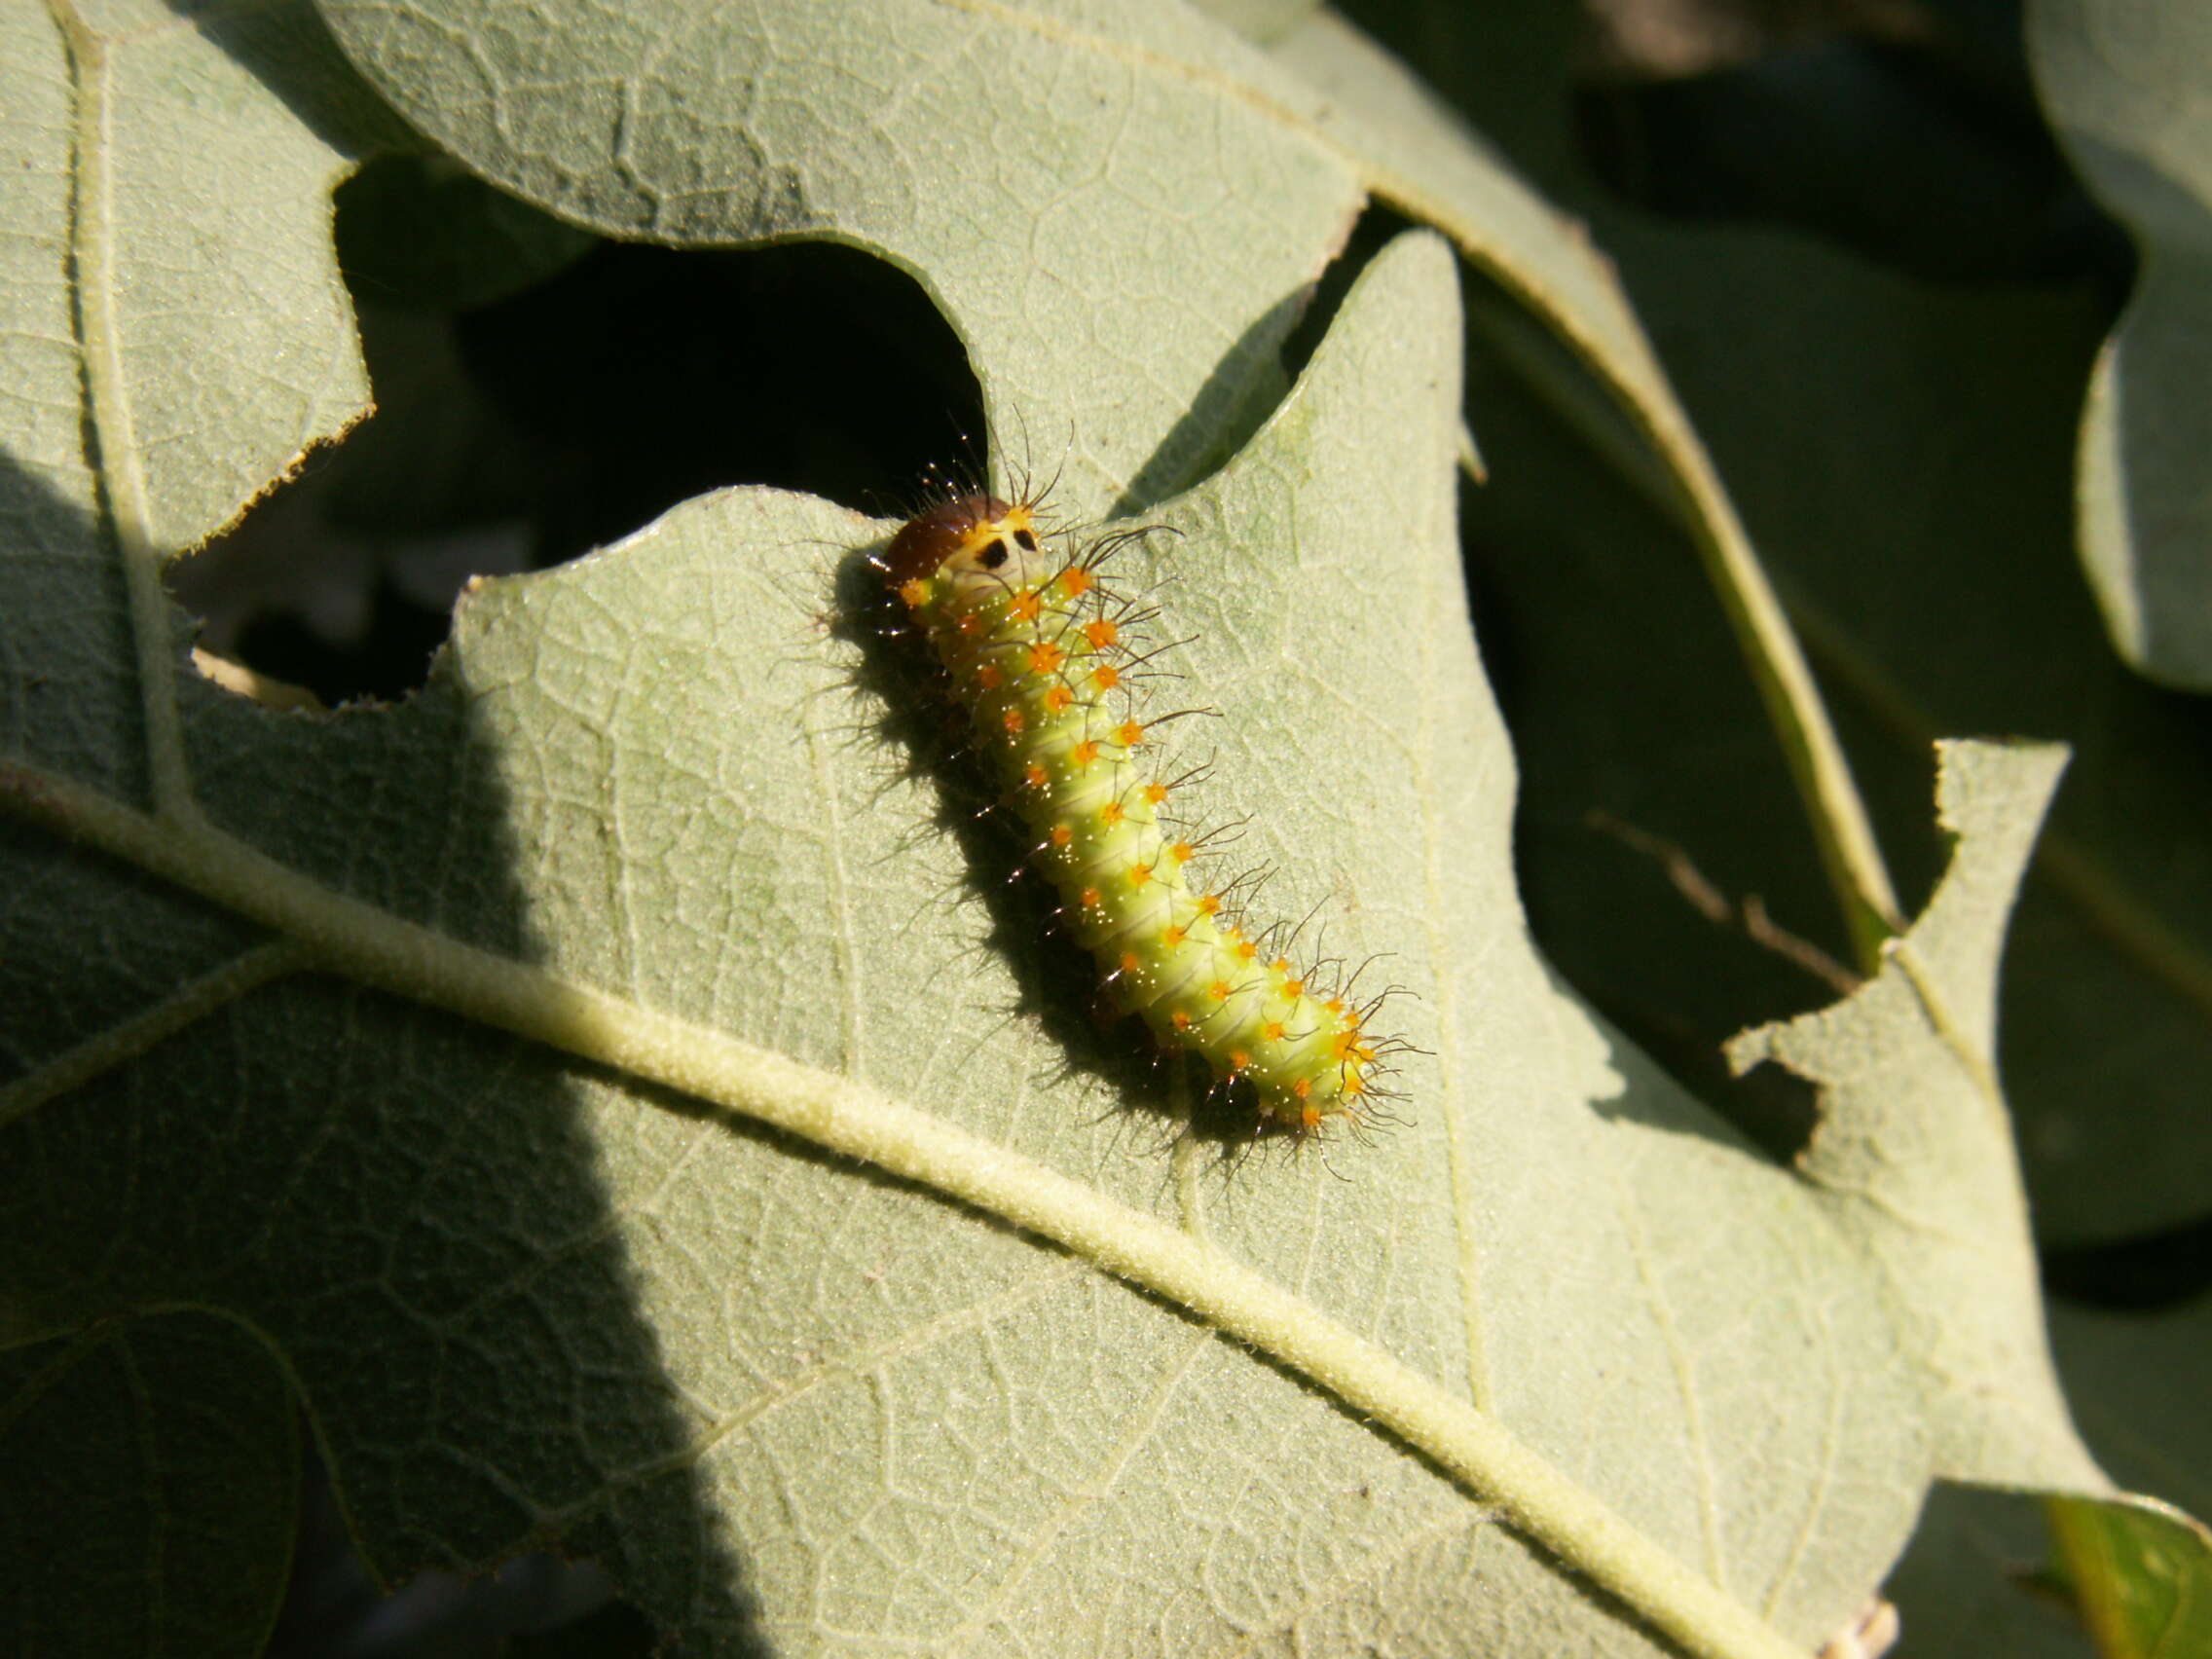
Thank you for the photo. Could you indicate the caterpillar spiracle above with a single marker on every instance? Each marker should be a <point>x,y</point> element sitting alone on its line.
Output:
<point>1045,656</point>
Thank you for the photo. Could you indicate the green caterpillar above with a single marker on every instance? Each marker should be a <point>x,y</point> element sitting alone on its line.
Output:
<point>1040,652</point>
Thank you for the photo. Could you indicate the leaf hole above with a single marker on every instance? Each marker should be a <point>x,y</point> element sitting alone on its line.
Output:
<point>542,392</point>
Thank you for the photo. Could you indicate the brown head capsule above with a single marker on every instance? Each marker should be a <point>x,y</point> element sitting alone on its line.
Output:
<point>927,541</point>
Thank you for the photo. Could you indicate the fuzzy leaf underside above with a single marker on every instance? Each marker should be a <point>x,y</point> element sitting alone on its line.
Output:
<point>528,1298</point>
<point>2124,81</point>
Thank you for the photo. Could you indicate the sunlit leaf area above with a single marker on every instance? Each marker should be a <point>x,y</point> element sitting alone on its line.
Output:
<point>1657,553</point>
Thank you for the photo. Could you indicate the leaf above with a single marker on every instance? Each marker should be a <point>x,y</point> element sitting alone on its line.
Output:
<point>942,140</point>
<point>2135,1375</point>
<point>861,122</point>
<point>1974,1580</point>
<point>464,1232</point>
<point>157,1458</point>
<point>164,125</point>
<point>180,130</point>
<point>2141,1569</point>
<point>587,1078</point>
<point>1900,451</point>
<point>1421,157</point>
<point>2124,85</point>
<point>2138,1573</point>
<point>1930,483</point>
<point>1913,1155</point>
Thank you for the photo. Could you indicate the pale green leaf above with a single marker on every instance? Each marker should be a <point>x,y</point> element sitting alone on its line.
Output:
<point>168,271</point>
<point>2138,1383</point>
<point>1020,164</point>
<point>622,1091</point>
<point>643,815</point>
<point>1914,1153</point>
<point>2126,87</point>
<point>2140,1571</point>
<point>2140,1568</point>
<point>1901,450</point>
<point>946,141</point>
<point>198,157</point>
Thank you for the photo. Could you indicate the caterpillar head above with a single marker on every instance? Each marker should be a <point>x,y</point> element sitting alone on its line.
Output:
<point>967,548</point>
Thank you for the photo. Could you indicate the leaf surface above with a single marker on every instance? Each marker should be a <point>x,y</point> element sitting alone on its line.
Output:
<point>639,1120</point>
<point>2124,81</point>
<point>1919,527</point>
<point>1913,1155</point>
<point>151,1467</point>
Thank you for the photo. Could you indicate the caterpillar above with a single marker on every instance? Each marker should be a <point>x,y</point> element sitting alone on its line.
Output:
<point>1045,656</point>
